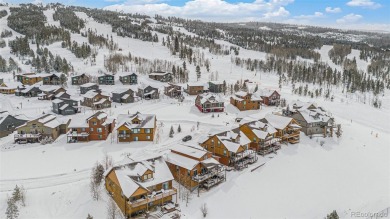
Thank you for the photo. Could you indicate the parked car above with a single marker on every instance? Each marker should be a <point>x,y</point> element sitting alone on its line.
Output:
<point>187,138</point>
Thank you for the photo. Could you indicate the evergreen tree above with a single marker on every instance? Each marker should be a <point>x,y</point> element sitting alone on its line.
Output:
<point>332,215</point>
<point>16,195</point>
<point>89,216</point>
<point>171,132</point>
<point>198,73</point>
<point>178,129</point>
<point>224,87</point>
<point>12,211</point>
<point>176,44</point>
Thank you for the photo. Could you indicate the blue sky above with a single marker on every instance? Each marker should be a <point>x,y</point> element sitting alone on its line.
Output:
<point>354,14</point>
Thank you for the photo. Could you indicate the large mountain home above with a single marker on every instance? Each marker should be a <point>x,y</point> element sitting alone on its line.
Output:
<point>216,86</point>
<point>195,88</point>
<point>52,92</point>
<point>207,103</point>
<point>270,97</point>
<point>246,101</point>
<point>128,78</point>
<point>80,79</point>
<point>10,87</point>
<point>47,126</point>
<point>172,90</point>
<point>314,120</point>
<point>139,187</point>
<point>28,91</point>
<point>28,78</point>
<point>106,79</point>
<point>288,129</point>
<point>51,79</point>
<point>125,95</point>
<point>96,100</point>
<point>136,127</point>
<point>232,148</point>
<point>194,167</point>
<point>64,106</point>
<point>8,123</point>
<point>161,76</point>
<point>263,136</point>
<point>148,93</point>
<point>84,88</point>
<point>94,127</point>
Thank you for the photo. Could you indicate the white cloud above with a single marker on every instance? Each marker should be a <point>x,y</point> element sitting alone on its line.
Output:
<point>140,2</point>
<point>332,10</point>
<point>364,4</point>
<point>216,10</point>
<point>349,18</point>
<point>315,15</point>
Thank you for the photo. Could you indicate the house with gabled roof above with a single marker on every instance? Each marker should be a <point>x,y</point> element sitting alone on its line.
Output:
<point>148,93</point>
<point>65,106</point>
<point>172,90</point>
<point>80,79</point>
<point>270,97</point>
<point>95,127</point>
<point>141,186</point>
<point>126,94</point>
<point>246,101</point>
<point>29,78</point>
<point>136,127</point>
<point>195,88</point>
<point>288,129</point>
<point>96,100</point>
<point>207,103</point>
<point>84,88</point>
<point>128,78</point>
<point>161,76</point>
<point>8,122</point>
<point>10,87</point>
<point>195,167</point>
<point>106,79</point>
<point>51,78</point>
<point>216,86</point>
<point>52,92</point>
<point>28,91</point>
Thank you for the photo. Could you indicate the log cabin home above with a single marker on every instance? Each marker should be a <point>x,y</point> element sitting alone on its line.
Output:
<point>195,88</point>
<point>28,78</point>
<point>148,93</point>
<point>231,148</point>
<point>269,97</point>
<point>128,78</point>
<point>28,91</point>
<point>288,129</point>
<point>10,87</point>
<point>161,76</point>
<point>96,100</point>
<point>80,79</point>
<point>216,86</point>
<point>51,79</point>
<point>52,92</point>
<point>141,187</point>
<point>136,127</point>
<point>8,123</point>
<point>95,127</point>
<point>84,88</point>
<point>172,90</point>
<point>195,167</point>
<point>106,79</point>
<point>246,101</point>
<point>207,103</point>
<point>33,131</point>
<point>126,94</point>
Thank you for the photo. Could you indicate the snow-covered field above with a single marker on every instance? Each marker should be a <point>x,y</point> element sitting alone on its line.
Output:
<point>305,180</point>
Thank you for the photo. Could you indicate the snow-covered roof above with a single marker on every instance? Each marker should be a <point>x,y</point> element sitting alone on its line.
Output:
<point>121,74</point>
<point>217,82</point>
<point>57,101</point>
<point>90,94</point>
<point>88,85</point>
<point>123,89</point>
<point>231,146</point>
<point>12,85</point>
<point>190,151</point>
<point>210,98</point>
<point>146,120</point>
<point>195,84</point>
<point>312,116</point>
<point>278,122</point>
<point>260,134</point>
<point>161,73</point>
<point>81,120</point>
<point>182,161</point>
<point>265,92</point>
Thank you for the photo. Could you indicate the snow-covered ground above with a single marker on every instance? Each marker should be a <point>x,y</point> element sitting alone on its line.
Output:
<point>304,180</point>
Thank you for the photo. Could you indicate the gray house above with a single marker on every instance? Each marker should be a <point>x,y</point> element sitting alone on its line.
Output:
<point>80,79</point>
<point>216,86</point>
<point>128,78</point>
<point>148,93</point>
<point>65,106</point>
<point>161,76</point>
<point>124,95</point>
<point>106,79</point>
<point>8,123</point>
<point>28,91</point>
<point>87,87</point>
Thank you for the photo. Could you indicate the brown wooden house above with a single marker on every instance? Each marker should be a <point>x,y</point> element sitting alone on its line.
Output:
<point>172,90</point>
<point>194,88</point>
<point>246,101</point>
<point>140,187</point>
<point>96,100</point>
<point>10,87</point>
<point>51,79</point>
<point>288,129</point>
<point>28,78</point>
<point>94,127</point>
<point>80,79</point>
<point>51,93</point>
<point>270,97</point>
<point>136,127</point>
<point>207,103</point>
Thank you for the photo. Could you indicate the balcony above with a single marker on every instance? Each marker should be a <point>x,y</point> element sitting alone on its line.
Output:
<point>267,150</point>
<point>124,135</point>
<point>205,176</point>
<point>152,198</point>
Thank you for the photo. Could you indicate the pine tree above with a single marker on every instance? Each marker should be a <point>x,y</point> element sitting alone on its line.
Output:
<point>171,132</point>
<point>224,87</point>
<point>16,195</point>
<point>89,216</point>
<point>178,129</point>
<point>12,211</point>
<point>332,215</point>
<point>198,73</point>
<point>339,131</point>
<point>176,44</point>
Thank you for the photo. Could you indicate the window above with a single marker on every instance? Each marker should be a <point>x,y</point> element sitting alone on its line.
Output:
<point>34,126</point>
<point>165,185</point>
<point>224,152</point>
<point>100,136</point>
<point>195,172</point>
<point>99,130</point>
<point>91,129</point>
<point>135,138</point>
<point>145,177</point>
<point>149,175</point>
<point>147,130</point>
<point>254,139</point>
<point>189,172</point>
<point>177,168</point>
<point>94,123</point>
<point>148,137</point>
<point>135,131</point>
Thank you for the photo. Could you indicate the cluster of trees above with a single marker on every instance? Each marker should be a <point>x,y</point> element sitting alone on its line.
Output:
<point>68,19</point>
<point>18,198</point>
<point>8,67</point>
<point>80,51</point>
<point>20,47</point>
<point>45,61</point>
<point>100,40</point>
<point>338,53</point>
<point>3,13</point>
<point>6,33</point>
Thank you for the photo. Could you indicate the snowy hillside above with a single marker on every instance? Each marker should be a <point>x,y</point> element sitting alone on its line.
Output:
<point>305,180</point>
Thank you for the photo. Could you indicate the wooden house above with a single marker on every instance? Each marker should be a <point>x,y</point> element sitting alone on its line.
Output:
<point>80,79</point>
<point>207,103</point>
<point>28,78</point>
<point>172,90</point>
<point>94,127</point>
<point>47,126</point>
<point>269,97</point>
<point>128,78</point>
<point>216,86</point>
<point>231,147</point>
<point>288,129</point>
<point>8,122</point>
<point>64,106</point>
<point>148,93</point>
<point>136,127</point>
<point>139,187</point>
<point>28,91</point>
<point>161,76</point>
<point>195,167</point>
<point>246,101</point>
<point>125,95</point>
<point>96,100</point>
<point>84,88</point>
<point>195,88</point>
<point>51,93</point>
<point>10,87</point>
<point>106,79</point>
<point>51,79</point>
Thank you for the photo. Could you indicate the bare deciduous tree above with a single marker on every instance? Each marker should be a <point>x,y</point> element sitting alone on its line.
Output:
<point>204,210</point>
